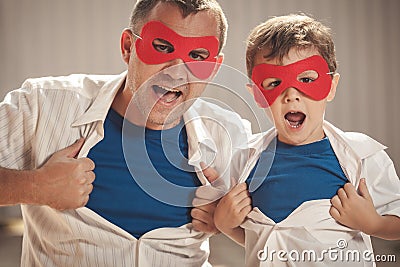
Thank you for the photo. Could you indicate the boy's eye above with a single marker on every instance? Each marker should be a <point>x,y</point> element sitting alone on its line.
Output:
<point>199,54</point>
<point>163,46</point>
<point>306,80</point>
<point>270,83</point>
<point>307,76</point>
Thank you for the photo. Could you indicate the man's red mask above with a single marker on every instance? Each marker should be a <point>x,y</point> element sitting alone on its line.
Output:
<point>182,48</point>
<point>288,76</point>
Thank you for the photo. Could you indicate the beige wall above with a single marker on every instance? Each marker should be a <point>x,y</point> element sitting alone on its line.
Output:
<point>47,37</point>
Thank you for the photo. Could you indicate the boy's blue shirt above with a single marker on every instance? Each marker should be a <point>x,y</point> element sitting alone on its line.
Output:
<point>298,174</point>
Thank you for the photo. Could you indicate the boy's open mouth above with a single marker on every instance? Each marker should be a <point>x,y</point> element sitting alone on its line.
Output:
<point>295,119</point>
<point>167,95</point>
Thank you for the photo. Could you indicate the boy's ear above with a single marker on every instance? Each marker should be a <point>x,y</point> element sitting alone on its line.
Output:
<point>257,95</point>
<point>126,45</point>
<point>334,84</point>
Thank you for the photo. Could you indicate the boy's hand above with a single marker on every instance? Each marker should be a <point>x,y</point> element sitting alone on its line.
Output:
<point>203,215</point>
<point>355,209</point>
<point>233,208</point>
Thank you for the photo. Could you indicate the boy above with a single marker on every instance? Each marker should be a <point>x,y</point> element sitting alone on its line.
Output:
<point>293,215</point>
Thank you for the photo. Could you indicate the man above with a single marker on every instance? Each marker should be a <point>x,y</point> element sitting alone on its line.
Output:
<point>121,224</point>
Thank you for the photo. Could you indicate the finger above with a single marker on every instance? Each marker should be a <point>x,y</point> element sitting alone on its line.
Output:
<point>206,194</point>
<point>244,195</point>
<point>84,201</point>
<point>87,164</point>
<point>350,190</point>
<point>239,189</point>
<point>363,189</point>
<point>335,201</point>
<point>203,227</point>
<point>245,206</point>
<point>208,207</point>
<point>209,172</point>
<point>89,189</point>
<point>246,210</point>
<point>91,176</point>
<point>73,150</point>
<point>341,193</point>
<point>334,213</point>
<point>200,215</point>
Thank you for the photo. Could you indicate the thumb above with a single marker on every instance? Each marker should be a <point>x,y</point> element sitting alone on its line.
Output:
<point>210,173</point>
<point>363,190</point>
<point>73,150</point>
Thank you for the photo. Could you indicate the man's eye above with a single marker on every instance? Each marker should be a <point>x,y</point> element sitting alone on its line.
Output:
<point>306,80</point>
<point>199,55</point>
<point>163,46</point>
<point>270,83</point>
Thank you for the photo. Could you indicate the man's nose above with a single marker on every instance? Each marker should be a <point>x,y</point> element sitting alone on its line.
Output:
<point>292,94</point>
<point>176,69</point>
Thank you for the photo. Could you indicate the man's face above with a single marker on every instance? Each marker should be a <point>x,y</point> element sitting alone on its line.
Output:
<point>163,92</point>
<point>297,117</point>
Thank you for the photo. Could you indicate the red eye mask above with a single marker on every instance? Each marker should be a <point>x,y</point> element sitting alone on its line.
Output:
<point>182,46</point>
<point>288,77</point>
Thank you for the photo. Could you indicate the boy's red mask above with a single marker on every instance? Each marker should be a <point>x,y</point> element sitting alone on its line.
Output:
<point>182,47</point>
<point>288,77</point>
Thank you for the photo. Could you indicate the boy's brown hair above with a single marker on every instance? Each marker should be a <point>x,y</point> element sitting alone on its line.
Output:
<point>280,34</point>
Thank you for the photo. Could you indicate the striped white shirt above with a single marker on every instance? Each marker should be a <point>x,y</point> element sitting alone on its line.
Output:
<point>309,235</point>
<point>48,114</point>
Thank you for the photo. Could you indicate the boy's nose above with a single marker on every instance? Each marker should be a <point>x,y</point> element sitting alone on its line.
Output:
<point>291,94</point>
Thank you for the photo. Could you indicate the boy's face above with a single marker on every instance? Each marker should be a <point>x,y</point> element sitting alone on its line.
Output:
<point>298,118</point>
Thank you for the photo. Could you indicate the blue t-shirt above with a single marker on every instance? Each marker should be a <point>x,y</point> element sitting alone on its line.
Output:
<point>116,195</point>
<point>298,174</point>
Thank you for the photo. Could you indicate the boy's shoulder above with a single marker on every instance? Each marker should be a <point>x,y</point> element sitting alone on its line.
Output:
<point>362,144</point>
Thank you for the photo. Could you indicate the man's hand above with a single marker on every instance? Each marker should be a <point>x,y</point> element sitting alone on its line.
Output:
<point>64,182</point>
<point>355,209</point>
<point>203,216</point>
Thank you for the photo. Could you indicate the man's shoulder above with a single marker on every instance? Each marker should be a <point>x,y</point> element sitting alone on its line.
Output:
<point>73,82</point>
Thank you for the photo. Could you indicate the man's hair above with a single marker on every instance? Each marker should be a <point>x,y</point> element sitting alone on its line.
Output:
<point>280,34</point>
<point>187,7</point>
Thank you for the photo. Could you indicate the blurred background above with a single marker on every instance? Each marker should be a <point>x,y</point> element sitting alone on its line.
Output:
<point>50,38</point>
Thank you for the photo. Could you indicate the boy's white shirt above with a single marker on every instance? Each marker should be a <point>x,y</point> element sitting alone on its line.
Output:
<point>310,228</point>
<point>48,114</point>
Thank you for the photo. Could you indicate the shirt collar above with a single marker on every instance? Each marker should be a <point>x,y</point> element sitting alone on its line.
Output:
<point>361,145</point>
<point>198,136</point>
<point>101,104</point>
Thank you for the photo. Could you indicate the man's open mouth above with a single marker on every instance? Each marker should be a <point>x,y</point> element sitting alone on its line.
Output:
<point>295,119</point>
<point>167,95</point>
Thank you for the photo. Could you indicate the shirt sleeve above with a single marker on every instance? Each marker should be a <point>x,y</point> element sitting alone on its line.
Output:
<point>383,183</point>
<point>18,113</point>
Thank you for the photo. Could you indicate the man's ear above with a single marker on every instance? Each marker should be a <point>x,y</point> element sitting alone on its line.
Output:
<point>220,59</point>
<point>126,45</point>
<point>334,84</point>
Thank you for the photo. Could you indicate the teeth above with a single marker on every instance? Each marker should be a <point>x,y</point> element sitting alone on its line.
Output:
<point>172,99</point>
<point>169,89</point>
<point>295,125</point>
